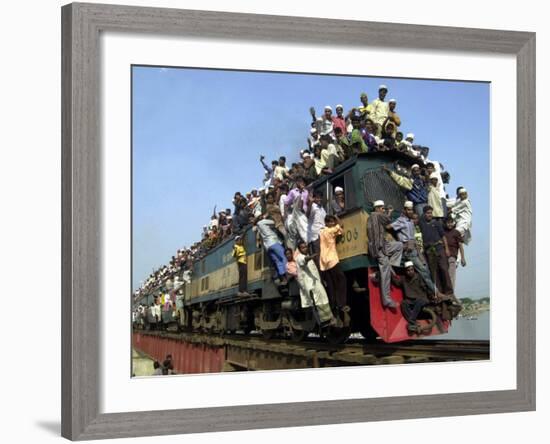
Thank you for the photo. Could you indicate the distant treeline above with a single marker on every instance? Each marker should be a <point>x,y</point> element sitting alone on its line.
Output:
<point>468,301</point>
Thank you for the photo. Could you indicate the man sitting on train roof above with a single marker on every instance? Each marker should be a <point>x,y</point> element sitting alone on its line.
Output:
<point>365,109</point>
<point>393,117</point>
<point>388,137</point>
<point>406,233</point>
<point>357,143</point>
<point>384,249</point>
<point>342,144</point>
<point>270,170</point>
<point>329,154</point>
<point>368,131</point>
<point>339,120</point>
<point>325,123</point>
<point>313,138</point>
<point>320,164</point>
<point>310,171</point>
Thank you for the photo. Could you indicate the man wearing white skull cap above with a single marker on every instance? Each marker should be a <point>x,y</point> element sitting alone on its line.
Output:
<point>386,252</point>
<point>405,229</point>
<point>325,124</point>
<point>416,295</point>
<point>434,198</point>
<point>380,109</point>
<point>462,214</point>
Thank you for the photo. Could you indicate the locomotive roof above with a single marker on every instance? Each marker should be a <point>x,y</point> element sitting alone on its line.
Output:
<point>391,156</point>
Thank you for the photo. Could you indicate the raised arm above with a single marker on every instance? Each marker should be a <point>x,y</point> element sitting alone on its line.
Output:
<point>266,167</point>
<point>402,181</point>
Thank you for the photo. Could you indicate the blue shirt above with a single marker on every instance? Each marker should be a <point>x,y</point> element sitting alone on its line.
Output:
<point>418,194</point>
<point>404,228</point>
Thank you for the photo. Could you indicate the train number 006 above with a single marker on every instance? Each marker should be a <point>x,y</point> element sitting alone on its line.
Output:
<point>348,236</point>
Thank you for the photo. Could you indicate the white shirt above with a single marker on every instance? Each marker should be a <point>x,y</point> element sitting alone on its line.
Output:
<point>282,205</point>
<point>316,222</point>
<point>280,171</point>
<point>324,126</point>
<point>440,185</point>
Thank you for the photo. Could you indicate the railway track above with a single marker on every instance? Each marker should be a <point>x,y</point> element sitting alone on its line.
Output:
<point>253,352</point>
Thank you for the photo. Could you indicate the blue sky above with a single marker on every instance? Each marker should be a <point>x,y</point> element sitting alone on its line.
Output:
<point>198,135</point>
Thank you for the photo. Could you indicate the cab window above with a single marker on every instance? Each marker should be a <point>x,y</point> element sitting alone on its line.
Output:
<point>341,194</point>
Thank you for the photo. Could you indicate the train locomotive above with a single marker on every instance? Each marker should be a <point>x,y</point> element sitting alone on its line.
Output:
<point>208,301</point>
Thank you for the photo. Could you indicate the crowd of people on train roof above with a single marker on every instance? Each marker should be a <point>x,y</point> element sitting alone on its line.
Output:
<point>287,212</point>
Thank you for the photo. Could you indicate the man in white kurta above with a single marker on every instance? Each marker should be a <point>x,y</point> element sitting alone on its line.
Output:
<point>311,287</point>
<point>434,198</point>
<point>462,214</point>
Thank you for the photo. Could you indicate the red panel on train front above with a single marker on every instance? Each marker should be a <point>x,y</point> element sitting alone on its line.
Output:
<point>390,325</point>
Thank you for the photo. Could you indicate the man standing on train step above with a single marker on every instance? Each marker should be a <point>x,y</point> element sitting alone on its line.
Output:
<point>273,247</point>
<point>386,251</point>
<point>437,250</point>
<point>329,263</point>
<point>416,295</point>
<point>405,229</point>
<point>316,222</point>
<point>239,253</point>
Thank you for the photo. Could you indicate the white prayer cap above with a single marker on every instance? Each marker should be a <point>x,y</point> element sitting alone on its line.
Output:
<point>408,204</point>
<point>392,101</point>
<point>339,106</point>
<point>382,87</point>
<point>338,190</point>
<point>434,175</point>
<point>415,166</point>
<point>462,190</point>
<point>307,155</point>
<point>313,130</point>
<point>328,107</point>
<point>409,264</point>
<point>410,136</point>
<point>378,203</point>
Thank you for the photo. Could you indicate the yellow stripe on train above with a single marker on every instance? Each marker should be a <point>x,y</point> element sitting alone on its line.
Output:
<point>353,243</point>
<point>227,276</point>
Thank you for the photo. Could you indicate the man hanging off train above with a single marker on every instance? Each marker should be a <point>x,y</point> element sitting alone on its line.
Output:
<point>383,248</point>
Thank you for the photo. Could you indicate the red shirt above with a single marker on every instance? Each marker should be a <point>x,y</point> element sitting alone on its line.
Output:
<point>340,122</point>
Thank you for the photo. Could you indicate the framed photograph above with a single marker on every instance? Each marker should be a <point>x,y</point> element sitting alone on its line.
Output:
<point>286,221</point>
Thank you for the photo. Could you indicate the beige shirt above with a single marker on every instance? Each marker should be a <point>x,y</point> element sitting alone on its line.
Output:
<point>379,111</point>
<point>434,201</point>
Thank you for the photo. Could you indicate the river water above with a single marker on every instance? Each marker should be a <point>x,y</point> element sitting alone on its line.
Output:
<point>465,329</point>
